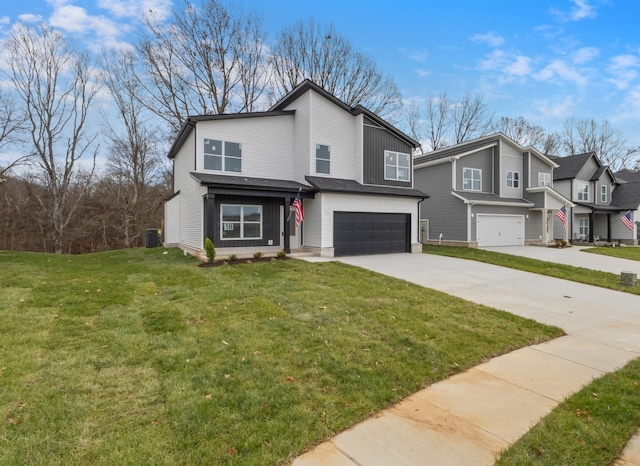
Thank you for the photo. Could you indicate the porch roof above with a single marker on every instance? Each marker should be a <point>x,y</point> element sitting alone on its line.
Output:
<point>491,199</point>
<point>351,186</point>
<point>246,186</point>
<point>600,208</point>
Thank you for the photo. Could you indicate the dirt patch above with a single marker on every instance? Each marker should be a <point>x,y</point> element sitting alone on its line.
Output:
<point>220,263</point>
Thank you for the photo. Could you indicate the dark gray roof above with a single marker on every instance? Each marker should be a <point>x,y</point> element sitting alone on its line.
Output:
<point>489,197</point>
<point>570,166</point>
<point>627,195</point>
<point>602,207</point>
<point>264,184</point>
<point>351,186</point>
<point>596,174</point>
<point>454,150</point>
<point>631,176</point>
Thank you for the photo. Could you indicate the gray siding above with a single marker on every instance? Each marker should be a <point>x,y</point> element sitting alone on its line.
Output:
<point>376,141</point>
<point>532,225</point>
<point>446,213</point>
<point>482,160</point>
<point>538,166</point>
<point>526,181</point>
<point>536,198</point>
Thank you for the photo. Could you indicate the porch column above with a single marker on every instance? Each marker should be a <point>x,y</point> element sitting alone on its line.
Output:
<point>285,230</point>
<point>209,217</point>
<point>591,226</point>
<point>609,227</point>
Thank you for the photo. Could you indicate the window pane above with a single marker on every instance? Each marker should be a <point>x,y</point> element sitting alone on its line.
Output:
<point>212,162</point>
<point>212,147</point>
<point>476,185</point>
<point>403,174</point>
<point>322,166</point>
<point>230,230</point>
<point>403,160</point>
<point>232,164</point>
<point>251,214</point>
<point>232,149</point>
<point>251,230</point>
<point>466,184</point>
<point>231,213</point>
<point>323,152</point>
<point>390,158</point>
<point>390,172</point>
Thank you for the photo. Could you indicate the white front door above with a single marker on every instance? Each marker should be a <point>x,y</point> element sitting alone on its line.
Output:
<point>293,229</point>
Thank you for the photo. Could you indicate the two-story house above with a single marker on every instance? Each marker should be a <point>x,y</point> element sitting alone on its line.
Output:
<point>488,192</point>
<point>236,177</point>
<point>600,201</point>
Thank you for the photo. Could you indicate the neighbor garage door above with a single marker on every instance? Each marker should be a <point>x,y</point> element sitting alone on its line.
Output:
<point>500,230</point>
<point>357,233</point>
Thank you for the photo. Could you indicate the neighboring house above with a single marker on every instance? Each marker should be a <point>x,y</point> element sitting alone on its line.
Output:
<point>599,201</point>
<point>488,192</point>
<point>628,176</point>
<point>236,177</point>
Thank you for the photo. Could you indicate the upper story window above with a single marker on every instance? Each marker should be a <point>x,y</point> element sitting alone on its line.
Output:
<point>604,195</point>
<point>397,166</point>
<point>472,179</point>
<point>583,192</point>
<point>323,159</point>
<point>513,179</point>
<point>241,221</point>
<point>544,179</point>
<point>222,156</point>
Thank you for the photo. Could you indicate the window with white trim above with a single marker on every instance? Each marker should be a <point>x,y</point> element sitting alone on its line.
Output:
<point>240,221</point>
<point>323,159</point>
<point>583,227</point>
<point>583,192</point>
<point>472,179</point>
<point>513,179</point>
<point>397,166</point>
<point>604,194</point>
<point>222,156</point>
<point>544,179</point>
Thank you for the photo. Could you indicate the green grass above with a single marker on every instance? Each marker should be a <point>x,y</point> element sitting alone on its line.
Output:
<point>141,357</point>
<point>627,252</point>
<point>566,272</point>
<point>589,428</point>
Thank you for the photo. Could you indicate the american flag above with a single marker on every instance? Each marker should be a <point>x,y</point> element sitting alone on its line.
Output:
<point>297,204</point>
<point>562,215</point>
<point>626,219</point>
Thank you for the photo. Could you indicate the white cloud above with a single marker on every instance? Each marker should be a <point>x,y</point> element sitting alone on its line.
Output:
<point>560,69</point>
<point>623,70</point>
<point>489,38</point>
<point>29,18</point>
<point>585,54</point>
<point>4,20</point>
<point>554,108</point>
<point>520,67</point>
<point>581,10</point>
<point>137,8</point>
<point>423,73</point>
<point>511,66</point>
<point>415,55</point>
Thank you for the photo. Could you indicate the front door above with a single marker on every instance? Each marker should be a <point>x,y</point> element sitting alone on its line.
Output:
<point>294,243</point>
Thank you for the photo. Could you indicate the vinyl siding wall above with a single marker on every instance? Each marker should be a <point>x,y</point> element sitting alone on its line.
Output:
<point>376,141</point>
<point>512,163</point>
<point>172,220</point>
<point>482,160</point>
<point>538,166</point>
<point>604,180</point>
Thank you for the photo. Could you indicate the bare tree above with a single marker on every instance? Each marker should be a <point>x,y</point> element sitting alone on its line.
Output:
<point>133,162</point>
<point>209,58</point>
<point>319,53</point>
<point>470,117</point>
<point>438,120</point>
<point>54,85</point>
<point>609,144</point>
<point>12,121</point>
<point>522,131</point>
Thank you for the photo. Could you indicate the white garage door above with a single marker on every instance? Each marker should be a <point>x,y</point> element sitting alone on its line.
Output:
<point>500,230</point>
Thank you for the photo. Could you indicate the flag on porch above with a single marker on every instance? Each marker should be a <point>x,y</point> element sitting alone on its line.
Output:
<point>297,204</point>
<point>562,215</point>
<point>626,219</point>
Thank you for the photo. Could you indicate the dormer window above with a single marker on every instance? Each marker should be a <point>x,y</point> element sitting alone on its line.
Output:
<point>583,192</point>
<point>604,195</point>
<point>472,179</point>
<point>513,179</point>
<point>397,166</point>
<point>222,156</point>
<point>544,179</point>
<point>323,159</point>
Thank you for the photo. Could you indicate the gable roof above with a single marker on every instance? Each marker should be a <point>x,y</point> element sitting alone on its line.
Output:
<point>570,166</point>
<point>307,85</point>
<point>630,176</point>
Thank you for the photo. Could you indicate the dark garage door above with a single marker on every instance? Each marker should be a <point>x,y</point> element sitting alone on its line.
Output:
<point>357,233</point>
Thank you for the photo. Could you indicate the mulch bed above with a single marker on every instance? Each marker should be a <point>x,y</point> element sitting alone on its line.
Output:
<point>252,260</point>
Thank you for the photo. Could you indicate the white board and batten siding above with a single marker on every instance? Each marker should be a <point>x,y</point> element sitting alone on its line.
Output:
<point>500,230</point>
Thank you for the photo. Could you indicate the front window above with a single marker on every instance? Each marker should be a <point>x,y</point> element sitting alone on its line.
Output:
<point>241,221</point>
<point>472,179</point>
<point>397,166</point>
<point>583,192</point>
<point>513,180</point>
<point>583,227</point>
<point>323,159</point>
<point>544,179</point>
<point>222,156</point>
<point>603,194</point>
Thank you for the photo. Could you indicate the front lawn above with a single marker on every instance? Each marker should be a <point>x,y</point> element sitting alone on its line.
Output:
<point>141,357</point>
<point>625,252</point>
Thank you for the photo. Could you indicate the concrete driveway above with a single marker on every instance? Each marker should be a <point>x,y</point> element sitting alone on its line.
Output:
<point>471,417</point>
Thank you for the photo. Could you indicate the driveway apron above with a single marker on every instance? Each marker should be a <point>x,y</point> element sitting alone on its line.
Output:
<point>469,418</point>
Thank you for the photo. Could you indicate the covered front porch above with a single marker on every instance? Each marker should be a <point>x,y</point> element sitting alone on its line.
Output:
<point>592,223</point>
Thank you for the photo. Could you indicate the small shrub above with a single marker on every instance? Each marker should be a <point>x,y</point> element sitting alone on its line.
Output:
<point>233,258</point>
<point>282,254</point>
<point>210,249</point>
<point>258,255</point>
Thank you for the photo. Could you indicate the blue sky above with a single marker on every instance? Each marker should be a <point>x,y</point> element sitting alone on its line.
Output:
<point>546,60</point>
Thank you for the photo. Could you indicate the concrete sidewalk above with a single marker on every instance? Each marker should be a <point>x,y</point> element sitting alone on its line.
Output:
<point>469,418</point>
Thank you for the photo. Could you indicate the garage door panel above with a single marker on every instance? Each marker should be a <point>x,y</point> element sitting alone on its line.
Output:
<point>499,230</point>
<point>359,233</point>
